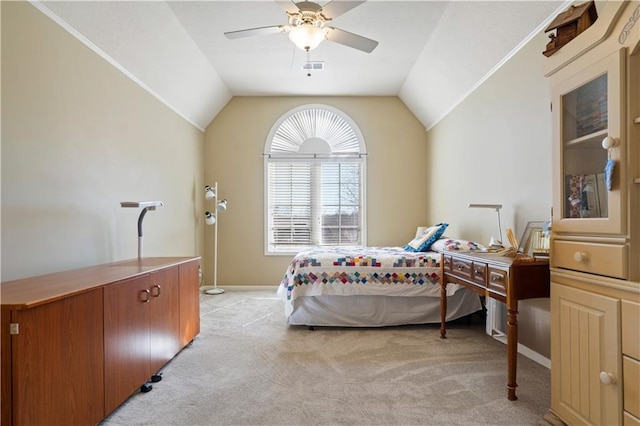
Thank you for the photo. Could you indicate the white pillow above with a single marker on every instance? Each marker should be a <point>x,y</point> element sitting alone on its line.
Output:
<point>454,244</point>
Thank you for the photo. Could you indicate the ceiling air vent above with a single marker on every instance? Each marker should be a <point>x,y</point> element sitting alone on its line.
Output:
<point>313,66</point>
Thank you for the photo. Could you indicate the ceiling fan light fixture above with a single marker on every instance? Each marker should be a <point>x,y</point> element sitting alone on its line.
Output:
<point>307,36</point>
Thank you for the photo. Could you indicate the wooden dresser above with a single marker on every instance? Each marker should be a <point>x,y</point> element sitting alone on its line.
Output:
<point>595,239</point>
<point>77,344</point>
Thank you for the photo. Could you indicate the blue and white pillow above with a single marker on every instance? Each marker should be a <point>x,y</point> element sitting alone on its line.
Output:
<point>423,241</point>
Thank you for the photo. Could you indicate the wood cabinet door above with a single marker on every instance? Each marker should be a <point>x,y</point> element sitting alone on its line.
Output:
<point>164,317</point>
<point>585,345</point>
<point>126,339</point>
<point>189,302</point>
<point>57,360</point>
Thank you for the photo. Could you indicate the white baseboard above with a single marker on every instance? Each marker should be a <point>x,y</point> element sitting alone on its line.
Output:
<point>529,353</point>
<point>242,287</point>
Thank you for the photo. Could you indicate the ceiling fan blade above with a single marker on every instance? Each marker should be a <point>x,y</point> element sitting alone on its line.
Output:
<point>273,29</point>
<point>352,40</point>
<point>288,6</point>
<point>335,8</point>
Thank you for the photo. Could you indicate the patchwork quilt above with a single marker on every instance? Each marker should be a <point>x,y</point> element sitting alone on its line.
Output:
<point>384,271</point>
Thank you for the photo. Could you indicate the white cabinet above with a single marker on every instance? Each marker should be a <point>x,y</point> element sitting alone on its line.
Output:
<point>595,248</point>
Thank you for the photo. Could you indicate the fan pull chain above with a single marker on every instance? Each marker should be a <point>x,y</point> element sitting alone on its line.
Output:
<point>308,62</point>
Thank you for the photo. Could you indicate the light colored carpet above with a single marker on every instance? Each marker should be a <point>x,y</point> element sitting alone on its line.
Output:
<point>247,367</point>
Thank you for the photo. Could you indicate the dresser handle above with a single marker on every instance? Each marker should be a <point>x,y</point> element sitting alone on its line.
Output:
<point>496,278</point>
<point>580,257</point>
<point>607,378</point>
<point>460,267</point>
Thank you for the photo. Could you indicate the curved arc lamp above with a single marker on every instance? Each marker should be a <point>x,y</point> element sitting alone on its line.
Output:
<point>211,194</point>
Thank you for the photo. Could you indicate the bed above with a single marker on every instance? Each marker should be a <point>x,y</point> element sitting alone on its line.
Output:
<point>369,287</point>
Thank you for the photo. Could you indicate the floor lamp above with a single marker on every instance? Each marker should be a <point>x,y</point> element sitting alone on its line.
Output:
<point>497,207</point>
<point>211,194</point>
<point>146,206</point>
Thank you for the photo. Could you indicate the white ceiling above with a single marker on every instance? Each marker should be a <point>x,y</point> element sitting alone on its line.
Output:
<point>431,53</point>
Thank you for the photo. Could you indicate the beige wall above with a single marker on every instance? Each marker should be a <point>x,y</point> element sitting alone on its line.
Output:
<point>78,137</point>
<point>397,184</point>
<point>495,147</point>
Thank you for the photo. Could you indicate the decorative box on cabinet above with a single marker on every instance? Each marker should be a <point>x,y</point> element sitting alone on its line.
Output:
<point>595,248</point>
<point>76,344</point>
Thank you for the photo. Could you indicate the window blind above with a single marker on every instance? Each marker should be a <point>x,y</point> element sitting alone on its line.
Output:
<point>313,203</point>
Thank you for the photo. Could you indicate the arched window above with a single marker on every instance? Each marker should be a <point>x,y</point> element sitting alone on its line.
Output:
<point>314,181</point>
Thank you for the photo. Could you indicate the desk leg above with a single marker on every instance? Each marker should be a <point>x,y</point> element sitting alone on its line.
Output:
<point>512,351</point>
<point>443,307</point>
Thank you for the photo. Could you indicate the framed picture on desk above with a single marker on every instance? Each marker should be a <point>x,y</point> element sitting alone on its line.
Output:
<point>535,240</point>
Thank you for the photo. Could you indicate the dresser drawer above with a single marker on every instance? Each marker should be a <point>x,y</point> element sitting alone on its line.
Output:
<point>631,377</point>
<point>602,259</point>
<point>498,281</point>
<point>630,315</point>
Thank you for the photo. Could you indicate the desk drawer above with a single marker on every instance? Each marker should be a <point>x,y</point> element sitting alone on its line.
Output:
<point>461,268</point>
<point>602,259</point>
<point>447,263</point>
<point>631,375</point>
<point>480,273</point>
<point>498,280</point>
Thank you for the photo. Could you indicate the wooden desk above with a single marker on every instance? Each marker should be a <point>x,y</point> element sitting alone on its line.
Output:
<point>503,278</point>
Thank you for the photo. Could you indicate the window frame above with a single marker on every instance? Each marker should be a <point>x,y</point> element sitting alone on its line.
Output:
<point>306,157</point>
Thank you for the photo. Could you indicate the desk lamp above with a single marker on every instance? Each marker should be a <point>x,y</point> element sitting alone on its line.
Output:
<point>493,243</point>
<point>146,206</point>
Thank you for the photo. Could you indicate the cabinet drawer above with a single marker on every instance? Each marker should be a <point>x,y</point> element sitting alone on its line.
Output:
<point>461,268</point>
<point>630,420</point>
<point>602,259</point>
<point>630,313</point>
<point>631,375</point>
<point>498,281</point>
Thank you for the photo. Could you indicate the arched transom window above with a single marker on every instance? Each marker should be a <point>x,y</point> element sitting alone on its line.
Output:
<point>314,181</point>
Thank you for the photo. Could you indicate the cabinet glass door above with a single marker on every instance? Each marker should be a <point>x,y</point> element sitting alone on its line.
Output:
<point>585,112</point>
<point>589,128</point>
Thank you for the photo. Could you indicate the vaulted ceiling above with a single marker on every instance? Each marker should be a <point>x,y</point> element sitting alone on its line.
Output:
<point>431,53</point>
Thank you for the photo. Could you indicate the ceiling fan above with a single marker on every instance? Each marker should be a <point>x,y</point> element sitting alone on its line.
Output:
<point>308,27</point>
